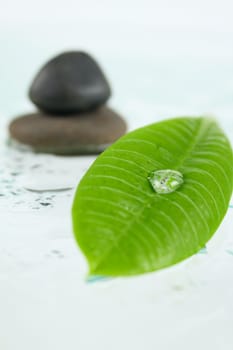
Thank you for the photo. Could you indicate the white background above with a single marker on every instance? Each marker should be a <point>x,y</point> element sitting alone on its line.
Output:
<point>163,58</point>
<point>157,52</point>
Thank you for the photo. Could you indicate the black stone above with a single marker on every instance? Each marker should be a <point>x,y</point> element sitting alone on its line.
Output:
<point>69,83</point>
<point>85,133</point>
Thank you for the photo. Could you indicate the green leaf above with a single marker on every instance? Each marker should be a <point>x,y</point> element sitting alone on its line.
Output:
<point>124,227</point>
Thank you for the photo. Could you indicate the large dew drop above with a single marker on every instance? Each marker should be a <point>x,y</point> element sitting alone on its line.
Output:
<point>165,181</point>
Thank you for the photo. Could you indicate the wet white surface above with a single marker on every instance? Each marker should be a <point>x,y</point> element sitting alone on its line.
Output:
<point>45,301</point>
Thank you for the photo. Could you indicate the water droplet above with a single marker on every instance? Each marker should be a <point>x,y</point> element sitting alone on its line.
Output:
<point>165,181</point>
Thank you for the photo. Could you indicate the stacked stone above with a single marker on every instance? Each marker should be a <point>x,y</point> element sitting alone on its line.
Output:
<point>70,92</point>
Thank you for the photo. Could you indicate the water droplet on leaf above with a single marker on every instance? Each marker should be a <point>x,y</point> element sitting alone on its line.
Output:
<point>165,181</point>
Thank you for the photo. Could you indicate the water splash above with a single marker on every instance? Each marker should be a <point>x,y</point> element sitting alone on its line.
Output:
<point>94,279</point>
<point>165,181</point>
<point>229,251</point>
<point>203,250</point>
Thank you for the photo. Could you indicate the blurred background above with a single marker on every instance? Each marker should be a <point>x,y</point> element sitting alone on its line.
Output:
<point>163,58</point>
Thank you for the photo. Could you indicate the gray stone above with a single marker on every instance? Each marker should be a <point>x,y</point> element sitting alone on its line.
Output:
<point>69,83</point>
